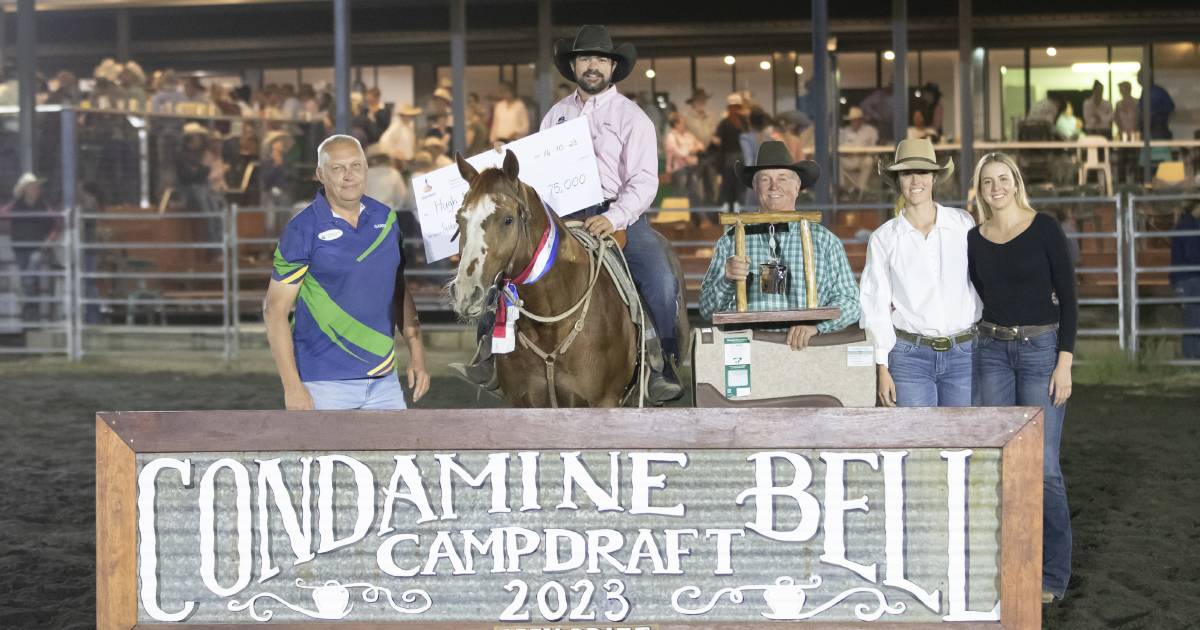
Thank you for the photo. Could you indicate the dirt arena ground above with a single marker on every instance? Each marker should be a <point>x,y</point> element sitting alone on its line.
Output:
<point>1129,454</point>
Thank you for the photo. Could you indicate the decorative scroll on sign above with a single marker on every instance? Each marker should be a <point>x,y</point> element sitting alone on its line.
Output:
<point>587,537</point>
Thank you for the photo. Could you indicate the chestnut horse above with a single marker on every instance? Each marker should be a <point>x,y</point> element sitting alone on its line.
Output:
<point>591,343</point>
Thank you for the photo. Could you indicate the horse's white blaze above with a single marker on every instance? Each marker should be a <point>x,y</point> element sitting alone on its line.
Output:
<point>471,263</point>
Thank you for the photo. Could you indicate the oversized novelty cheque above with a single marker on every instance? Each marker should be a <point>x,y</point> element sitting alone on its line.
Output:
<point>559,163</point>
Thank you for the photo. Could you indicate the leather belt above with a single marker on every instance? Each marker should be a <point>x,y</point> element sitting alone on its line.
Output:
<point>939,344</point>
<point>1012,333</point>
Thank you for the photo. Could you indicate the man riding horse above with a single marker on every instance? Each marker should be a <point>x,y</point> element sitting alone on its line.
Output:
<point>625,144</point>
<point>627,155</point>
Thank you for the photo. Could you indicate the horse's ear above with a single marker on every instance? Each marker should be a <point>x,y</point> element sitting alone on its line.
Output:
<point>465,169</point>
<point>511,167</point>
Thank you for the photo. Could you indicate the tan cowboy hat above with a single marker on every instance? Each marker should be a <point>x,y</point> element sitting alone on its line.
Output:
<point>916,155</point>
<point>774,154</point>
<point>408,110</point>
<point>854,113</point>
<point>24,181</point>
<point>194,128</point>
<point>734,99</point>
<point>443,94</point>
<point>592,39</point>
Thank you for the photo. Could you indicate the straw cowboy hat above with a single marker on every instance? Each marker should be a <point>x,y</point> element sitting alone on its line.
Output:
<point>24,181</point>
<point>276,135</point>
<point>194,128</point>
<point>774,154</point>
<point>594,40</point>
<point>408,110</point>
<point>916,155</point>
<point>443,94</point>
<point>854,113</point>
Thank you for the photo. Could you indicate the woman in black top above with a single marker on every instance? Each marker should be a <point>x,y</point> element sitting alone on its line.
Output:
<point>1020,265</point>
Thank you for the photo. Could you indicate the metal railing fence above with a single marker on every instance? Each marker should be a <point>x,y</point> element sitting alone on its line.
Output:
<point>1148,276</point>
<point>106,279</point>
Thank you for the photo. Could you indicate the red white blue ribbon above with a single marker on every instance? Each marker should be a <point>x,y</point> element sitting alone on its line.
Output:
<point>504,330</point>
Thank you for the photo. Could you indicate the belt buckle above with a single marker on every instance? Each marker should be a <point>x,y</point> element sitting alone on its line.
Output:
<point>940,344</point>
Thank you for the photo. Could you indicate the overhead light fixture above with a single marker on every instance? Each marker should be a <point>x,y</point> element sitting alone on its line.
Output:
<point>799,69</point>
<point>765,65</point>
<point>1052,51</point>
<point>889,55</point>
<point>842,100</point>
<point>1099,67</point>
<point>730,60</point>
<point>1003,69</point>
<point>831,44</point>
<point>917,94</point>
<point>650,73</point>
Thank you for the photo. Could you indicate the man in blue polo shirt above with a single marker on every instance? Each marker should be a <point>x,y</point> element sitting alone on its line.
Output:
<point>340,264</point>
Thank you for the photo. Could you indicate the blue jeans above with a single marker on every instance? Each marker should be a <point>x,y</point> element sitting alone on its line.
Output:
<point>1190,288</point>
<point>1018,372</point>
<point>383,392</point>
<point>646,253</point>
<point>925,377</point>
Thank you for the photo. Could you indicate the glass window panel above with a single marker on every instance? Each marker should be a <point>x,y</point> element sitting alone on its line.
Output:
<point>753,78</point>
<point>674,78</point>
<point>396,84</point>
<point>1065,77</point>
<point>1177,70</point>
<point>1006,76</point>
<point>716,78</point>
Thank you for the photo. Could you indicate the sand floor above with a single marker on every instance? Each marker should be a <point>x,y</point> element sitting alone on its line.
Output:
<point>1129,454</point>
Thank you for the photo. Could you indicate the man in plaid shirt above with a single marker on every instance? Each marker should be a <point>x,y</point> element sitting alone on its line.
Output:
<point>778,181</point>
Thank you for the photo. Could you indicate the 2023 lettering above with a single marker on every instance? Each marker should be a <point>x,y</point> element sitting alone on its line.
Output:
<point>558,608</point>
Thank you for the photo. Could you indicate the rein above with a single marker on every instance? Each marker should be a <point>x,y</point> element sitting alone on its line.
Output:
<point>544,257</point>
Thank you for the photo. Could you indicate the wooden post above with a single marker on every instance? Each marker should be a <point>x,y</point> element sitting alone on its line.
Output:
<point>739,250</point>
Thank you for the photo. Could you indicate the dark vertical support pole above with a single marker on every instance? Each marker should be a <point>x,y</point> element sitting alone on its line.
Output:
<point>3,37</point>
<point>341,65</point>
<point>123,35</point>
<point>878,68</point>
<point>1147,79</point>
<point>900,68</point>
<point>692,65</point>
<point>1028,87</point>
<point>653,85</point>
<point>819,95</point>
<point>986,77</point>
<point>795,79</point>
<point>545,88</point>
<point>733,77</point>
<point>26,70</point>
<point>67,148</point>
<point>966,96</point>
<point>458,71</point>
<point>1112,95</point>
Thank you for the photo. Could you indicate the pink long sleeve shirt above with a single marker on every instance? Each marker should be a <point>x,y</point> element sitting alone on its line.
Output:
<point>626,150</point>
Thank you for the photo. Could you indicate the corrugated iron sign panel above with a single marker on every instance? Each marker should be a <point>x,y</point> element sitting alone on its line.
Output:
<point>625,566</point>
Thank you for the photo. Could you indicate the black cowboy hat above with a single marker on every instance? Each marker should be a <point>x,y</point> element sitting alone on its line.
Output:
<point>594,40</point>
<point>774,154</point>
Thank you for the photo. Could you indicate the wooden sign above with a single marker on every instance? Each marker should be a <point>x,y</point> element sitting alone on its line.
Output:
<point>624,518</point>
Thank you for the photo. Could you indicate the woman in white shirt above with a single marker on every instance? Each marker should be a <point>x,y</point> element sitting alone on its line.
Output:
<point>917,299</point>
